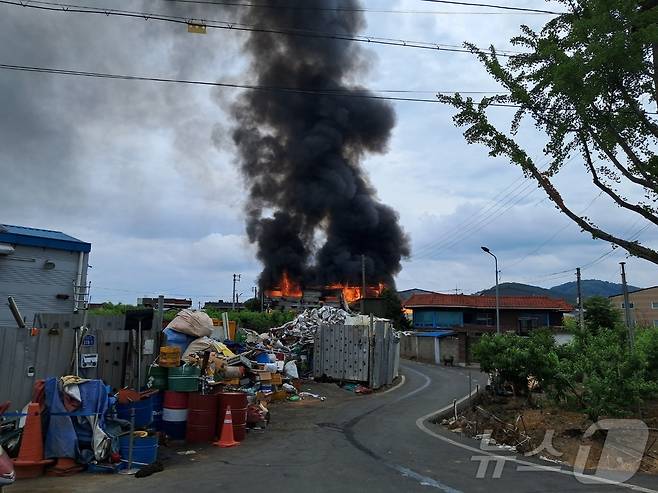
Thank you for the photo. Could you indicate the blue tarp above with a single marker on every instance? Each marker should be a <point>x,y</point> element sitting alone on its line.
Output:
<point>61,439</point>
<point>65,432</point>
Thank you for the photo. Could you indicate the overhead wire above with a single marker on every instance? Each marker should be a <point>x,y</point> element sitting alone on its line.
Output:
<point>237,26</point>
<point>554,235</point>
<point>316,8</point>
<point>494,6</point>
<point>347,93</point>
<point>475,223</point>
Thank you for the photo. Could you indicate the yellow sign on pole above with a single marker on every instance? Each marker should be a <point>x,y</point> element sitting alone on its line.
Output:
<point>196,28</point>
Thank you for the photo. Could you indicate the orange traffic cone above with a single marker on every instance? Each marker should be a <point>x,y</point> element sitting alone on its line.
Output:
<point>65,466</point>
<point>226,436</point>
<point>30,462</point>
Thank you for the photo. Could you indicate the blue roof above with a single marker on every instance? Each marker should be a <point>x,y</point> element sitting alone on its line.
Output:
<point>435,333</point>
<point>44,238</point>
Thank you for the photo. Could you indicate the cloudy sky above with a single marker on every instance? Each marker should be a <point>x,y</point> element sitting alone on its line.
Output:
<point>147,171</point>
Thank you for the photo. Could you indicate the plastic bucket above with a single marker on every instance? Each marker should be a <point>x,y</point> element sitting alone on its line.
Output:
<point>143,412</point>
<point>184,378</point>
<point>145,450</point>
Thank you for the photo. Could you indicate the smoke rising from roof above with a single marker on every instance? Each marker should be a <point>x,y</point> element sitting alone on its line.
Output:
<point>301,154</point>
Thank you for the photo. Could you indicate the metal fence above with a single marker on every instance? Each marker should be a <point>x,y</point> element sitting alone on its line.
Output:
<point>47,350</point>
<point>359,353</point>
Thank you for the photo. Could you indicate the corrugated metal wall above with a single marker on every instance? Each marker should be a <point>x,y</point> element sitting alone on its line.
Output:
<point>35,288</point>
<point>49,353</point>
<point>357,353</point>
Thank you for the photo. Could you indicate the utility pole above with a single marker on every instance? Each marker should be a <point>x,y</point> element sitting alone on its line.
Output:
<point>627,306</point>
<point>236,278</point>
<point>363,284</point>
<point>255,292</point>
<point>581,316</point>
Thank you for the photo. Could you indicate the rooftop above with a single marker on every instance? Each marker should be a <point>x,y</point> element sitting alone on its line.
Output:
<point>475,301</point>
<point>43,238</point>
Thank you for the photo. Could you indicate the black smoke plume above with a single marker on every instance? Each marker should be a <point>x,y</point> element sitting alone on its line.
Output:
<point>311,211</point>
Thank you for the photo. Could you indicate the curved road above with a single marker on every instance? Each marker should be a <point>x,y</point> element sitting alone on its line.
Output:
<point>348,444</point>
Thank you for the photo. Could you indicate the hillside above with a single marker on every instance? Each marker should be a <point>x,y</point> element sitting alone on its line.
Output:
<point>566,291</point>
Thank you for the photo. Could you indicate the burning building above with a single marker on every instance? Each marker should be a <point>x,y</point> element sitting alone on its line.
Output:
<point>311,211</point>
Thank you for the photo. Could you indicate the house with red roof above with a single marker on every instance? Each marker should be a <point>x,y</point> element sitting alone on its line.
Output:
<point>469,316</point>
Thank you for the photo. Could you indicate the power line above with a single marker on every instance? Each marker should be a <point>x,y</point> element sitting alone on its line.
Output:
<point>236,26</point>
<point>475,223</point>
<point>554,235</point>
<point>312,8</point>
<point>361,93</point>
<point>494,6</point>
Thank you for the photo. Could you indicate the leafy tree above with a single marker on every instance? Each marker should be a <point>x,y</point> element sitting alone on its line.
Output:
<point>600,313</point>
<point>588,80</point>
<point>516,358</point>
<point>252,304</point>
<point>393,310</point>
<point>613,378</point>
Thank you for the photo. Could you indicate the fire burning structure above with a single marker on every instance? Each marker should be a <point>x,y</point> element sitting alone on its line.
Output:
<point>312,212</point>
<point>291,295</point>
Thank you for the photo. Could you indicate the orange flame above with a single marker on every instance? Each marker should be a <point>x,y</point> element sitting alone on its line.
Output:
<point>287,288</point>
<point>353,293</point>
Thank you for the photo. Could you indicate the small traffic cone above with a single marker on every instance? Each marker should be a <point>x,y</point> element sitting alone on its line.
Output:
<point>30,462</point>
<point>226,437</point>
<point>65,466</point>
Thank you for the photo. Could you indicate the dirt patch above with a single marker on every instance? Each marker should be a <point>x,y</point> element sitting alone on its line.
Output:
<point>549,432</point>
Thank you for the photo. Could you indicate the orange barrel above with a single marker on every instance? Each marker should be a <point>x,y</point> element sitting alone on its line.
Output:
<point>238,403</point>
<point>174,414</point>
<point>201,418</point>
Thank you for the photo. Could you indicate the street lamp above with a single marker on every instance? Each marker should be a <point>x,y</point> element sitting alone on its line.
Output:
<point>486,250</point>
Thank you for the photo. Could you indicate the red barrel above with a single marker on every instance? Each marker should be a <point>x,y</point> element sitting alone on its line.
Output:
<point>201,418</point>
<point>176,400</point>
<point>238,403</point>
<point>174,414</point>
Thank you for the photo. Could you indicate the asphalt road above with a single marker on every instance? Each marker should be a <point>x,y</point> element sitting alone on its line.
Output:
<point>346,444</point>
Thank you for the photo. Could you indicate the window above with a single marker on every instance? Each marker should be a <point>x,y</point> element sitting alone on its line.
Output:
<point>654,305</point>
<point>630,305</point>
<point>526,324</point>
<point>655,323</point>
<point>484,319</point>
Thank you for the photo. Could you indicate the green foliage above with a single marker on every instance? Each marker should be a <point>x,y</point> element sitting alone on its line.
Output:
<point>112,309</point>
<point>588,81</point>
<point>597,372</point>
<point>515,358</point>
<point>393,310</point>
<point>252,304</point>
<point>646,342</point>
<point>613,379</point>
<point>600,313</point>
<point>258,321</point>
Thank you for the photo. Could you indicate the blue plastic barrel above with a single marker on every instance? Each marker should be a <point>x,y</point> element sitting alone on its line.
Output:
<point>143,412</point>
<point>157,400</point>
<point>145,450</point>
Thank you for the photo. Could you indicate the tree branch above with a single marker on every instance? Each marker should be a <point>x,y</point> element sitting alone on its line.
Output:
<point>618,199</point>
<point>624,171</point>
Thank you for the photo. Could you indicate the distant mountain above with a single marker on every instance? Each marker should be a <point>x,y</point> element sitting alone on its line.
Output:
<point>566,291</point>
<point>590,287</point>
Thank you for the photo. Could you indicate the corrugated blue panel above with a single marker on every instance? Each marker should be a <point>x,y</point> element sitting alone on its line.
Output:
<point>43,238</point>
